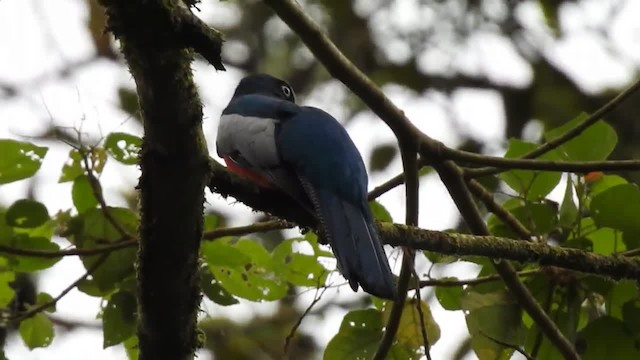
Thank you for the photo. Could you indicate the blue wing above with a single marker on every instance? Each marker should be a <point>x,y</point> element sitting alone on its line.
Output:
<point>334,177</point>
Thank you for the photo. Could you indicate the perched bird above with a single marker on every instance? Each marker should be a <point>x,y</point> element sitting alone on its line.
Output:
<point>264,136</point>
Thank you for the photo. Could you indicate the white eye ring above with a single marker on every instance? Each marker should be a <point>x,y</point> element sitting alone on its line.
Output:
<point>285,90</point>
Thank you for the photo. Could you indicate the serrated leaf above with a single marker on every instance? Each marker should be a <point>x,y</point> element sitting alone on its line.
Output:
<point>533,184</point>
<point>26,213</point>
<point>83,195</point>
<point>119,318</point>
<point>594,143</point>
<point>36,331</point>
<point>19,160</point>
<point>125,148</point>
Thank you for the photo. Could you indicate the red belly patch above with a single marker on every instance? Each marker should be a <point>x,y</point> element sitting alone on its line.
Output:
<point>247,173</point>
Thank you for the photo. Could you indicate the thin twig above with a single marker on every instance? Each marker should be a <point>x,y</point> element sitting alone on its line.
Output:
<point>295,327</point>
<point>423,327</point>
<point>36,309</point>
<point>552,144</point>
<point>473,282</point>
<point>507,345</point>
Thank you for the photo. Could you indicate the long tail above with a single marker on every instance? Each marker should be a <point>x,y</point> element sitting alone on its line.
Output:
<point>355,243</point>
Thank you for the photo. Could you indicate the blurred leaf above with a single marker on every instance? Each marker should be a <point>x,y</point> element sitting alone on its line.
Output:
<point>132,348</point>
<point>607,206</point>
<point>449,296</point>
<point>45,298</point>
<point>6,278</point>
<point>119,318</point>
<point>568,209</point>
<point>36,331</point>
<point>244,269</point>
<point>129,102</point>
<point>211,222</point>
<point>631,315</point>
<point>539,218</point>
<point>494,315</point>
<point>381,156</point>
<point>607,338</point>
<point>550,12</point>
<point>533,184</point>
<point>594,143</point>
<point>72,168</point>
<point>83,195</point>
<point>298,269</point>
<point>26,213</point>
<point>125,148</point>
<point>379,211</point>
<point>19,160</point>
<point>621,293</point>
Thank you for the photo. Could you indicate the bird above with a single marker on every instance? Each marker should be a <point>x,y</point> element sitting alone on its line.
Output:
<point>305,152</point>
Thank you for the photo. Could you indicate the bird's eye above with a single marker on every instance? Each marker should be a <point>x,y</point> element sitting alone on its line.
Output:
<point>286,91</point>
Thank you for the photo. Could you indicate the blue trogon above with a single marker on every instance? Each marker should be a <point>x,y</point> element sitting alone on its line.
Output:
<point>306,153</point>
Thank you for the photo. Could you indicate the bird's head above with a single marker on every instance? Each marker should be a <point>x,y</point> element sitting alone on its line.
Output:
<point>266,85</point>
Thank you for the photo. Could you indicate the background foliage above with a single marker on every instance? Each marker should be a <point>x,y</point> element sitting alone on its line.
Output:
<point>597,212</point>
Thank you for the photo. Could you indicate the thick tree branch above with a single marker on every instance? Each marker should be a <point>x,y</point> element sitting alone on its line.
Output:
<point>155,38</point>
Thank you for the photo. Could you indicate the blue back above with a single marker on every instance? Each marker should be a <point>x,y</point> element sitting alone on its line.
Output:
<point>320,149</point>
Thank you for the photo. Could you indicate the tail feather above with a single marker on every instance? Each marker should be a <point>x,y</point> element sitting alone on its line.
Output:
<point>355,243</point>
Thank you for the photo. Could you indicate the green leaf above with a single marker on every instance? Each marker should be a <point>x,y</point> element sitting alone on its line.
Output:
<point>211,222</point>
<point>606,241</point>
<point>132,348</point>
<point>119,318</point>
<point>298,269</point>
<point>125,148</point>
<point>449,296</point>
<point>621,293</point>
<point>494,315</point>
<point>606,208</point>
<point>568,209</point>
<point>30,263</point>
<point>380,212</point>
<point>381,156</point>
<point>409,333</point>
<point>72,168</point>
<point>358,338</point>
<point>83,195</point>
<point>19,160</point>
<point>95,231</point>
<point>607,338</point>
<point>36,331</point>
<point>212,289</point>
<point>245,269</point>
<point>26,213</point>
<point>631,315</point>
<point>533,184</point>
<point>539,218</point>
<point>606,182</point>
<point>6,278</point>
<point>594,143</point>
<point>45,298</point>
